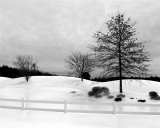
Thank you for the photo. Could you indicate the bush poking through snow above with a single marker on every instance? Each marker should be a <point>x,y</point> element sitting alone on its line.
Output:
<point>103,91</point>
<point>110,97</point>
<point>153,94</point>
<point>91,93</point>
<point>120,96</point>
<point>118,99</point>
<point>155,98</point>
<point>73,92</point>
<point>98,96</point>
<point>97,90</point>
<point>140,100</point>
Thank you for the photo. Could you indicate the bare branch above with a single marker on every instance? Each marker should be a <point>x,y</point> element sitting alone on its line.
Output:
<point>79,63</point>
<point>26,64</point>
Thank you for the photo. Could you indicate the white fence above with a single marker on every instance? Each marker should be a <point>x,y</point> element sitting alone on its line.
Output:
<point>65,104</point>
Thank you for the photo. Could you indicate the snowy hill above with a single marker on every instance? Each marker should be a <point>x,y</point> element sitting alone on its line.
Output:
<point>61,88</point>
<point>3,79</point>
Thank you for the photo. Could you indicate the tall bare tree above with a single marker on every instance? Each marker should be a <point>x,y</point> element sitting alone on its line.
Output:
<point>118,51</point>
<point>26,64</point>
<point>79,63</point>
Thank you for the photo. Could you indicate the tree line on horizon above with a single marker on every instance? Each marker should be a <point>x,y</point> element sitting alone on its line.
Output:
<point>10,72</point>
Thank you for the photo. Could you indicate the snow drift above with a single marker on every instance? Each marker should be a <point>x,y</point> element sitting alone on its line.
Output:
<point>61,88</point>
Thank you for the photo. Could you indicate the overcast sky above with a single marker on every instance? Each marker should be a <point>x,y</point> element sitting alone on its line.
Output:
<point>50,30</point>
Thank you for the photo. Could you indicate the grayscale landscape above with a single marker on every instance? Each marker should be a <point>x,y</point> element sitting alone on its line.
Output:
<point>79,64</point>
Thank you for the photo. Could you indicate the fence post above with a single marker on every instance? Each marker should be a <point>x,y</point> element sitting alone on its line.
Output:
<point>114,107</point>
<point>22,103</point>
<point>65,106</point>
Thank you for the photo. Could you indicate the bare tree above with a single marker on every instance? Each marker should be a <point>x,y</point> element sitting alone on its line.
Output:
<point>79,63</point>
<point>26,64</point>
<point>118,51</point>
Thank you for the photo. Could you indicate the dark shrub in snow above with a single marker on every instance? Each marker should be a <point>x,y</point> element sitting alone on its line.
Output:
<point>110,97</point>
<point>140,100</point>
<point>118,99</point>
<point>86,76</point>
<point>155,98</point>
<point>105,91</point>
<point>98,96</point>
<point>99,91</point>
<point>120,96</point>
<point>153,94</point>
<point>91,93</point>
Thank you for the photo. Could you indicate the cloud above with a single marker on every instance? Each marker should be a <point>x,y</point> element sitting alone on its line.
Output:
<point>51,29</point>
<point>47,29</point>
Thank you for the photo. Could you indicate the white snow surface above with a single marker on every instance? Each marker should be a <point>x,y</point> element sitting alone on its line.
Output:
<point>59,88</point>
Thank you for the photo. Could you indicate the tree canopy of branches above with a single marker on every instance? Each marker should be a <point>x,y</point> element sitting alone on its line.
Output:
<point>118,51</point>
<point>79,63</point>
<point>26,64</point>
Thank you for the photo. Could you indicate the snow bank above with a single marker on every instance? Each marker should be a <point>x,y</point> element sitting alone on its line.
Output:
<point>62,88</point>
<point>2,79</point>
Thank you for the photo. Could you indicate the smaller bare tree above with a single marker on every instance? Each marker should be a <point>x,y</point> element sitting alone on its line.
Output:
<point>79,63</point>
<point>26,64</point>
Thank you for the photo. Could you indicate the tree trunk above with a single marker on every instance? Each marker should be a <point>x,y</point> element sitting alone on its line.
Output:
<point>120,86</point>
<point>81,77</point>
<point>120,66</point>
<point>120,76</point>
<point>120,73</point>
<point>120,60</point>
<point>27,78</point>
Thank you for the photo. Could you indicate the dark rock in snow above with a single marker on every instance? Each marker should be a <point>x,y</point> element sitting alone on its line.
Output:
<point>141,100</point>
<point>118,99</point>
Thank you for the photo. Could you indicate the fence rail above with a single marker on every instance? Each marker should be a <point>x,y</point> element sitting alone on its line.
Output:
<point>65,104</point>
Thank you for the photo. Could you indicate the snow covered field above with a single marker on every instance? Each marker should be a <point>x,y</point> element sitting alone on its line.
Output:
<point>58,88</point>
